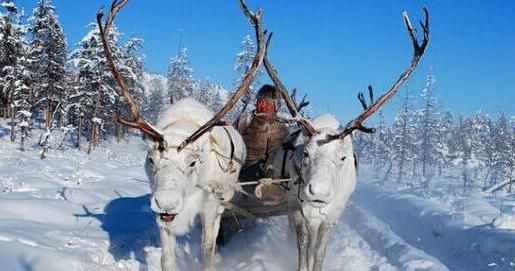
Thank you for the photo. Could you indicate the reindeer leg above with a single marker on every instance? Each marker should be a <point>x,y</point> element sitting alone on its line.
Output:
<point>210,226</point>
<point>301,230</point>
<point>324,231</point>
<point>167,252</point>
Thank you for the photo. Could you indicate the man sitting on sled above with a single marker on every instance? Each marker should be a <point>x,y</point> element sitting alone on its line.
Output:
<point>263,133</point>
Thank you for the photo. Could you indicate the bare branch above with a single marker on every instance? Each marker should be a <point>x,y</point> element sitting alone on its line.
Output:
<point>418,51</point>
<point>255,20</point>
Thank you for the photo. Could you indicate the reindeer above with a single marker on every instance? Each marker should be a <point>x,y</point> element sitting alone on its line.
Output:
<point>322,162</point>
<point>194,158</point>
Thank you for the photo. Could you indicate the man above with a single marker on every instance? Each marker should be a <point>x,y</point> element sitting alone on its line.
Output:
<point>263,133</point>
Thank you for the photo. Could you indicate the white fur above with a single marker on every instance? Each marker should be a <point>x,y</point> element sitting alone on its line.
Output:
<point>194,181</point>
<point>329,178</point>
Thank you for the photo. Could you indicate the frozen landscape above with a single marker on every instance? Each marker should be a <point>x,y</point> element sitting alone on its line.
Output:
<point>77,212</point>
<point>435,168</point>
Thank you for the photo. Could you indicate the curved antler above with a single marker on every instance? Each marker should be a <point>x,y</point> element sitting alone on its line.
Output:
<point>138,122</point>
<point>255,20</point>
<point>272,72</point>
<point>418,51</point>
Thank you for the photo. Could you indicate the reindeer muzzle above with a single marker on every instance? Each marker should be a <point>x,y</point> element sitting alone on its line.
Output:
<point>167,218</point>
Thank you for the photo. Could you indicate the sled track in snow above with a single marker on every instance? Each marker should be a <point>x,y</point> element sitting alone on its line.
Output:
<point>431,230</point>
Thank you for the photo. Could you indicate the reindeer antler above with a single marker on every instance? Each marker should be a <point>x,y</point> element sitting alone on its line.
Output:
<point>272,72</point>
<point>418,51</point>
<point>299,105</point>
<point>255,20</point>
<point>138,122</point>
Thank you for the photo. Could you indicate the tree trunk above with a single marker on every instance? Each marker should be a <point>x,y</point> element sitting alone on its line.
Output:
<point>48,125</point>
<point>401,171</point>
<point>92,138</point>
<point>22,139</point>
<point>13,126</point>
<point>79,134</point>
<point>119,132</point>
<point>95,129</point>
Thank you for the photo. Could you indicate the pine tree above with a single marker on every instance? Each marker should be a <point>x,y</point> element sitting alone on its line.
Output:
<point>446,126</point>
<point>382,145</point>
<point>181,83</point>
<point>242,65</point>
<point>96,96</point>
<point>403,143</point>
<point>511,151</point>
<point>155,90</point>
<point>483,146</point>
<point>431,149</point>
<point>210,94</point>
<point>14,76</point>
<point>501,169</point>
<point>463,143</point>
<point>48,60</point>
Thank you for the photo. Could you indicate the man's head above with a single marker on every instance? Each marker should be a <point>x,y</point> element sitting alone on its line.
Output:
<point>267,100</point>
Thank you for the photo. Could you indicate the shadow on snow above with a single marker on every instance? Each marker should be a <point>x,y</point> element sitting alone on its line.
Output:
<point>130,225</point>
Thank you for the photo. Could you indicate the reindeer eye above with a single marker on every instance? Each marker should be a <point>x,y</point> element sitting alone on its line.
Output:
<point>306,154</point>
<point>192,164</point>
<point>343,158</point>
<point>150,160</point>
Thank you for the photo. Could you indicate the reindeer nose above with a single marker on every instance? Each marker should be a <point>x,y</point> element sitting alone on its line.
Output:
<point>165,201</point>
<point>319,191</point>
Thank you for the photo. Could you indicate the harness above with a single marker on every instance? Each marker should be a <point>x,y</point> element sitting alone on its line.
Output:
<point>219,154</point>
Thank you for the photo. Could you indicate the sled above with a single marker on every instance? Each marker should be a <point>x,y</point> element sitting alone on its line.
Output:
<point>245,206</point>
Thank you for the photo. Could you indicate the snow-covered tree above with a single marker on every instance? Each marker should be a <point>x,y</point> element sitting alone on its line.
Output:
<point>446,127</point>
<point>381,146</point>
<point>48,59</point>
<point>502,155</point>
<point>96,96</point>
<point>465,161</point>
<point>403,142</point>
<point>430,149</point>
<point>181,83</point>
<point>242,65</point>
<point>211,94</point>
<point>155,90</point>
<point>14,75</point>
<point>511,160</point>
<point>483,146</point>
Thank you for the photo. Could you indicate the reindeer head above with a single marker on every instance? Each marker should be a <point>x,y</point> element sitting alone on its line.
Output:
<point>325,167</point>
<point>174,173</point>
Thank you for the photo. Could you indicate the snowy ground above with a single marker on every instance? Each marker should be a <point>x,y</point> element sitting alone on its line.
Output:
<point>74,212</point>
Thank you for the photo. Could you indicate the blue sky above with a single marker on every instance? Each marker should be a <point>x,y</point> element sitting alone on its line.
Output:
<point>331,49</point>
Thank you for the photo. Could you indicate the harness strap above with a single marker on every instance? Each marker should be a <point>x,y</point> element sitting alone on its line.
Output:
<point>237,210</point>
<point>231,141</point>
<point>218,154</point>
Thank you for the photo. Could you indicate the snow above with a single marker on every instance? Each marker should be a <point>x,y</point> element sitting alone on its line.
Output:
<point>71,211</point>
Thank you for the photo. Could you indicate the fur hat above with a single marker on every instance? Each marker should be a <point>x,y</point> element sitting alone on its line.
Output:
<point>267,92</point>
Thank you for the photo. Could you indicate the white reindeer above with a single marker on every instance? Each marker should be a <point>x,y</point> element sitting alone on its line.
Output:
<point>195,180</point>
<point>195,159</point>
<point>323,166</point>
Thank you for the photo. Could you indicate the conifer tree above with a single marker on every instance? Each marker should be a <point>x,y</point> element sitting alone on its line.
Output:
<point>242,65</point>
<point>48,59</point>
<point>181,83</point>
<point>14,75</point>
